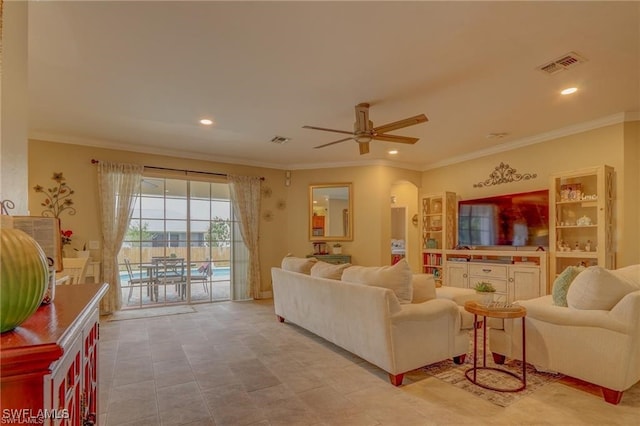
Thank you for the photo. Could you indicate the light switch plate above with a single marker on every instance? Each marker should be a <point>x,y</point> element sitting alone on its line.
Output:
<point>94,245</point>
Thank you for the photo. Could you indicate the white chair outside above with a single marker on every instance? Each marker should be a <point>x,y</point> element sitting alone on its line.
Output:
<point>137,282</point>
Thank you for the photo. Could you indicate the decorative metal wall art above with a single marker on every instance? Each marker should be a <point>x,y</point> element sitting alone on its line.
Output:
<point>5,206</point>
<point>504,173</point>
<point>57,198</point>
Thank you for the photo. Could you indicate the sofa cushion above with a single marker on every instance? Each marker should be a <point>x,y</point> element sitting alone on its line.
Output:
<point>424,287</point>
<point>328,270</point>
<point>298,264</point>
<point>598,288</point>
<point>396,277</point>
<point>561,284</point>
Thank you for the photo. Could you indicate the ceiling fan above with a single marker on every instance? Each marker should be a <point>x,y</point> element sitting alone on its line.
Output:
<point>364,132</point>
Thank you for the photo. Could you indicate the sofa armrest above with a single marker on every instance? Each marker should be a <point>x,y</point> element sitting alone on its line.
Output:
<point>457,295</point>
<point>427,311</point>
<point>543,309</point>
<point>627,310</point>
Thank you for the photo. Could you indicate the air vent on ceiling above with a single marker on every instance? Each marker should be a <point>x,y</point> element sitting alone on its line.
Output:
<point>280,139</point>
<point>564,62</point>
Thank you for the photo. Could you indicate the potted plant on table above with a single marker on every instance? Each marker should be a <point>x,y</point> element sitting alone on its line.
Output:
<point>337,248</point>
<point>486,290</point>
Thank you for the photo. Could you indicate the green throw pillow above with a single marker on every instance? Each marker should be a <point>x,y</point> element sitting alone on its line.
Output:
<point>562,283</point>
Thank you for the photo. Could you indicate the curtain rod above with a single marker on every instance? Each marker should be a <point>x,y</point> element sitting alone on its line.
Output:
<point>94,161</point>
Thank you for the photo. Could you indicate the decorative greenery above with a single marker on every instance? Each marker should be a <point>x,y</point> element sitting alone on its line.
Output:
<point>484,287</point>
<point>337,245</point>
<point>58,198</point>
<point>138,233</point>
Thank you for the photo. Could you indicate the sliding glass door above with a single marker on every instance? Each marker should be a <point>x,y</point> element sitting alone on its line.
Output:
<point>181,245</point>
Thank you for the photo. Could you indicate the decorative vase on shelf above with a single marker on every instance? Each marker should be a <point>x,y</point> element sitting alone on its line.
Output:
<point>337,249</point>
<point>24,276</point>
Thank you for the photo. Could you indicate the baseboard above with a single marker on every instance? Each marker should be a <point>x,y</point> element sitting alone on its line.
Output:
<point>266,295</point>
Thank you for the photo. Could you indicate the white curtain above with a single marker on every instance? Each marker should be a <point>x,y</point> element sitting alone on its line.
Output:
<point>118,187</point>
<point>245,198</point>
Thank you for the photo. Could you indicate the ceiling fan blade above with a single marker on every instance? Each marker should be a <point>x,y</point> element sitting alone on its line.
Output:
<point>362,118</point>
<point>400,124</point>
<point>327,130</point>
<point>364,147</point>
<point>393,138</point>
<point>332,143</point>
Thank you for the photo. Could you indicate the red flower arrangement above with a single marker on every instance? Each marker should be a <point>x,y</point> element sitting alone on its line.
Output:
<point>66,236</point>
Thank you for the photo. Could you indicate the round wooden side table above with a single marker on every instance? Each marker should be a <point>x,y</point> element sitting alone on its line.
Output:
<point>513,311</point>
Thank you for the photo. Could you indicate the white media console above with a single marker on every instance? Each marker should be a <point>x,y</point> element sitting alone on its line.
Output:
<point>516,275</point>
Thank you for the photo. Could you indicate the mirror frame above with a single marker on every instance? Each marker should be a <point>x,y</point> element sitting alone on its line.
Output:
<point>349,235</point>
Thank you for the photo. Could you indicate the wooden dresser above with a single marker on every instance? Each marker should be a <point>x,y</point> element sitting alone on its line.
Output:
<point>49,364</point>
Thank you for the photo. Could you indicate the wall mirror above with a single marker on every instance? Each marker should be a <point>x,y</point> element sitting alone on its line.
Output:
<point>331,212</point>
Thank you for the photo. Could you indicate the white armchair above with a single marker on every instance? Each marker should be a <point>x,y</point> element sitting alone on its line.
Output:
<point>595,339</point>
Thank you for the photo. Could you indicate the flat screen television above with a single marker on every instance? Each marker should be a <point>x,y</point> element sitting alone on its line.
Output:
<point>506,220</point>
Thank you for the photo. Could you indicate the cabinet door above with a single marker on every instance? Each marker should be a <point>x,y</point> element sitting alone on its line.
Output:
<point>89,399</point>
<point>63,386</point>
<point>457,275</point>
<point>524,283</point>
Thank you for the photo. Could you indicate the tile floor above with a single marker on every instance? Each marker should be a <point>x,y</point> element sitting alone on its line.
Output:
<point>232,363</point>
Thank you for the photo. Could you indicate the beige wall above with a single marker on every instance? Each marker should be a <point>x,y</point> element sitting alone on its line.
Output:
<point>371,243</point>
<point>631,213</point>
<point>74,162</point>
<point>13,113</point>
<point>600,146</point>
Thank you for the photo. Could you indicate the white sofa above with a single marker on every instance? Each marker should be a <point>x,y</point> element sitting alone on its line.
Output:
<point>370,321</point>
<point>596,338</point>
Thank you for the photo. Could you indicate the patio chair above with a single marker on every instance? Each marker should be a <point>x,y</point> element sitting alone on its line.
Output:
<point>137,282</point>
<point>205,272</point>
<point>75,268</point>
<point>171,270</point>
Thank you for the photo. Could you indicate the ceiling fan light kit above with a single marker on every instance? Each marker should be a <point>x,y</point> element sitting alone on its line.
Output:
<point>364,132</point>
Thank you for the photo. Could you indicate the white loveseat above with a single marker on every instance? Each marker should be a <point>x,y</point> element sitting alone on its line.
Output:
<point>370,321</point>
<point>596,338</point>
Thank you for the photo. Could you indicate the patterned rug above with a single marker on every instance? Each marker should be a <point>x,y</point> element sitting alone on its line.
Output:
<point>454,374</point>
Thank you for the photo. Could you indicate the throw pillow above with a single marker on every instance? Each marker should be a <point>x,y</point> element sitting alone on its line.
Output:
<point>328,270</point>
<point>597,288</point>
<point>298,264</point>
<point>562,283</point>
<point>396,277</point>
<point>424,287</point>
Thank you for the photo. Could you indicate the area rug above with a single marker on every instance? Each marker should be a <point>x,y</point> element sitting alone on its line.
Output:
<point>454,374</point>
<point>150,312</point>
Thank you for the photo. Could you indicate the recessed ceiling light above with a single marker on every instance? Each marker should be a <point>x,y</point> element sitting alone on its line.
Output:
<point>569,90</point>
<point>393,151</point>
<point>206,122</point>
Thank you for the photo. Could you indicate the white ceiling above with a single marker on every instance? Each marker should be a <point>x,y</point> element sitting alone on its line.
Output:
<point>139,75</point>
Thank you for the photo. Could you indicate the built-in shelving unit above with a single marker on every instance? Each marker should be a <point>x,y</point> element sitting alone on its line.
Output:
<point>439,228</point>
<point>581,216</point>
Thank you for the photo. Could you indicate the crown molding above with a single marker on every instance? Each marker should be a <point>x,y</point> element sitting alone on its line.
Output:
<point>542,137</point>
<point>71,140</point>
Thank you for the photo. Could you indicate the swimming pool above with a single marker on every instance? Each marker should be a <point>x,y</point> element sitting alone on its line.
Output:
<point>219,274</point>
